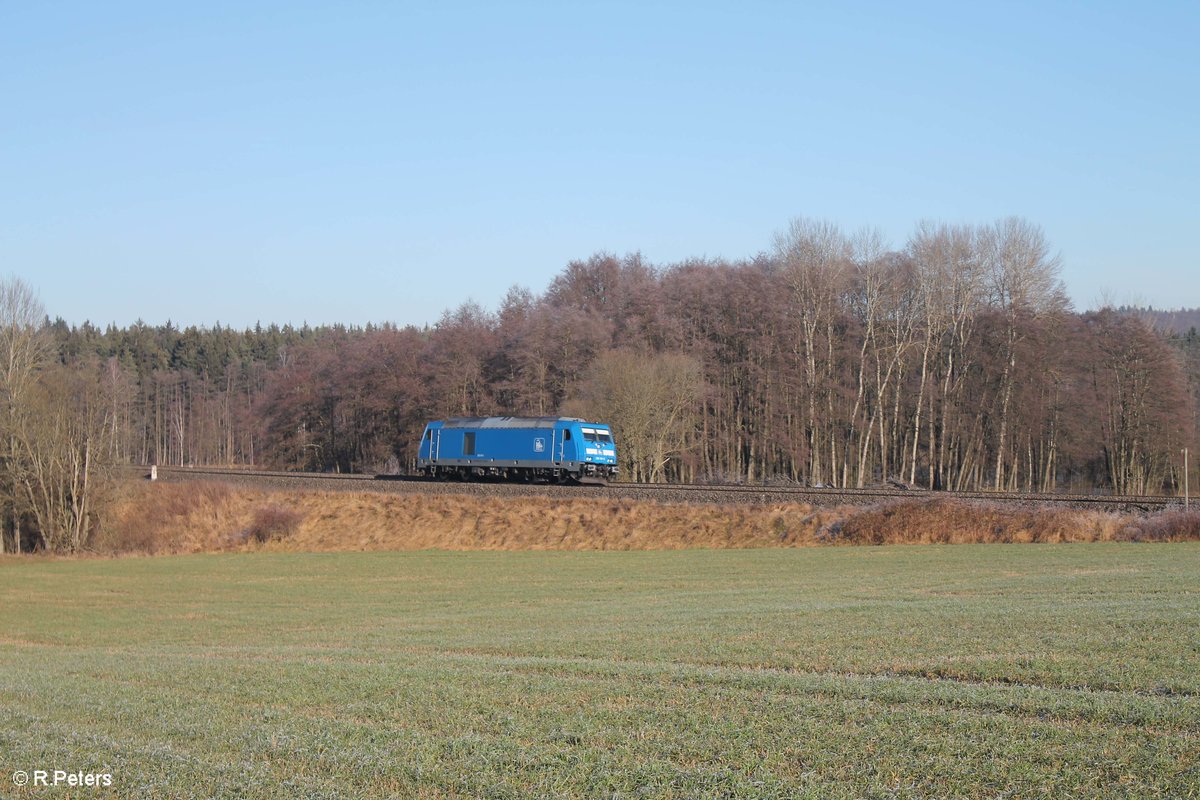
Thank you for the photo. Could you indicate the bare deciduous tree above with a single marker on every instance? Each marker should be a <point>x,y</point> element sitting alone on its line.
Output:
<point>815,256</point>
<point>650,401</point>
<point>1023,284</point>
<point>24,350</point>
<point>59,437</point>
<point>949,294</point>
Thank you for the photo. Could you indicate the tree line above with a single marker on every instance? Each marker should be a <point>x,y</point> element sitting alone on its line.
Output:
<point>954,362</point>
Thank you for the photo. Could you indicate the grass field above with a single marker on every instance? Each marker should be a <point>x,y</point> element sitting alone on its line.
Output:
<point>891,672</point>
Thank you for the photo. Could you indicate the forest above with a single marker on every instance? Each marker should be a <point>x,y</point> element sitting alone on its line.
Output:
<point>955,362</point>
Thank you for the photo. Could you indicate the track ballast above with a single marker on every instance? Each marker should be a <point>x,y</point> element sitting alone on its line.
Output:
<point>725,494</point>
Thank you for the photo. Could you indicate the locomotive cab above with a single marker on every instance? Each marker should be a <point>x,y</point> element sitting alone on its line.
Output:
<point>597,452</point>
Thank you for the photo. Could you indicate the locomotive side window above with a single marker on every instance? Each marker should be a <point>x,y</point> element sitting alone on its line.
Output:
<point>566,436</point>
<point>428,434</point>
<point>469,443</point>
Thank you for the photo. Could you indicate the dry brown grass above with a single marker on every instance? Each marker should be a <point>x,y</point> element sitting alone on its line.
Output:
<point>200,517</point>
<point>947,521</point>
<point>943,521</point>
<point>166,518</point>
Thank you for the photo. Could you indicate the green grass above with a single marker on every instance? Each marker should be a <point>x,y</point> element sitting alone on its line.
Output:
<point>962,671</point>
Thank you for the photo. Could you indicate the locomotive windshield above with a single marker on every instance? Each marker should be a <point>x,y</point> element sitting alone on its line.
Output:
<point>597,435</point>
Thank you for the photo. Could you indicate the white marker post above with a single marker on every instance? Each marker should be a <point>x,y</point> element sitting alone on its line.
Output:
<point>1185,479</point>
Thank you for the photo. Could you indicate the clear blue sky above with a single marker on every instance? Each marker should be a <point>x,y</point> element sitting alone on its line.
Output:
<point>355,162</point>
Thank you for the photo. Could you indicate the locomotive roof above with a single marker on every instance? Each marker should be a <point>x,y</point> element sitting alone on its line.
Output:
<point>507,422</point>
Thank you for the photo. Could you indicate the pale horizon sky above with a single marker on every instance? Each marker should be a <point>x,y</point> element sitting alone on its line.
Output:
<point>384,162</point>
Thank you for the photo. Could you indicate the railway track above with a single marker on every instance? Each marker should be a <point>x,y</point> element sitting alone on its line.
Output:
<point>663,493</point>
<point>874,494</point>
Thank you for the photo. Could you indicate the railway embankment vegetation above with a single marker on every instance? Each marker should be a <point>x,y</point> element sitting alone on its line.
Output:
<point>891,672</point>
<point>951,360</point>
<point>197,517</point>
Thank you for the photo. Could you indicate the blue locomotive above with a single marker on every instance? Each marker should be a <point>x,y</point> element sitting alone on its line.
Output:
<point>559,449</point>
